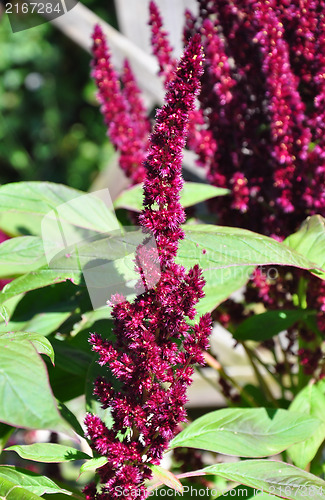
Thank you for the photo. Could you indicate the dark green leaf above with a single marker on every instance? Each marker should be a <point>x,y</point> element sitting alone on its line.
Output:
<point>5,433</point>
<point>39,279</point>
<point>70,418</point>
<point>264,326</point>
<point>44,313</point>
<point>70,359</point>
<point>92,403</point>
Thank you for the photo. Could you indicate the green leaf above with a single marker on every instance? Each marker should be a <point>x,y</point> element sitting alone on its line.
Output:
<point>246,493</point>
<point>70,418</point>
<point>12,491</point>
<point>196,192</point>
<point>246,432</point>
<point>92,403</point>
<point>70,359</point>
<point>108,249</point>
<point>228,257</point>
<point>44,313</point>
<point>89,318</point>
<point>27,399</point>
<point>192,193</point>
<point>167,478</point>
<point>276,478</point>
<point>43,322</point>
<point>62,391</point>
<point>21,255</point>
<point>4,314</point>
<point>39,279</point>
<point>41,343</point>
<point>309,401</point>
<point>93,464</point>
<point>27,480</point>
<point>5,433</point>
<point>48,452</point>
<point>23,206</point>
<point>264,326</point>
<point>190,490</point>
<point>310,242</point>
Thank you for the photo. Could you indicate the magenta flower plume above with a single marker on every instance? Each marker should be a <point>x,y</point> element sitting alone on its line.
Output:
<point>200,140</point>
<point>160,44</point>
<point>289,134</point>
<point>151,359</point>
<point>123,110</point>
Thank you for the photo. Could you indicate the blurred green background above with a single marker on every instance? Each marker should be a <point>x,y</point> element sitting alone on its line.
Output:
<point>50,125</point>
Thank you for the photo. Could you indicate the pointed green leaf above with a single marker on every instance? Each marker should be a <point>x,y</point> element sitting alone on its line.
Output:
<point>5,433</point>
<point>309,401</point>
<point>167,478</point>
<point>276,478</point>
<point>196,192</point>
<point>266,325</point>
<point>28,481</point>
<point>70,418</point>
<point>48,452</point>
<point>93,464</point>
<point>310,242</point>
<point>25,393</point>
<point>246,432</point>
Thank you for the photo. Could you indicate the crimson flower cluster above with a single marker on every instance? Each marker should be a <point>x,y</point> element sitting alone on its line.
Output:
<point>200,139</point>
<point>260,127</point>
<point>263,102</point>
<point>122,108</point>
<point>150,362</point>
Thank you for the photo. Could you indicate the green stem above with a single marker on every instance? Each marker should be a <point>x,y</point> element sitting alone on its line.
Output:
<point>266,367</point>
<point>263,385</point>
<point>288,369</point>
<point>302,303</point>
<point>213,384</point>
<point>211,361</point>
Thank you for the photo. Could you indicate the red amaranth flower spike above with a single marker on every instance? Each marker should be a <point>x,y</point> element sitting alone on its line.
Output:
<point>152,356</point>
<point>127,127</point>
<point>200,140</point>
<point>160,45</point>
